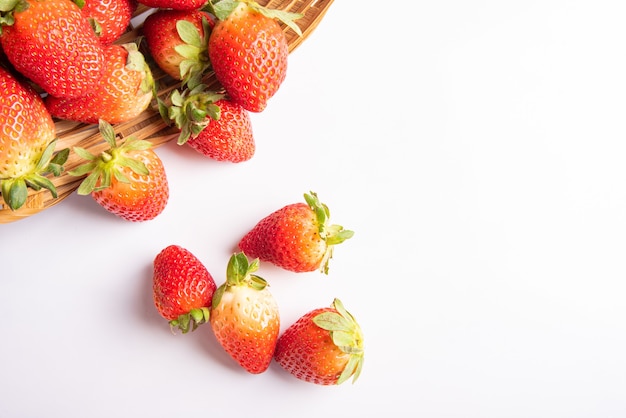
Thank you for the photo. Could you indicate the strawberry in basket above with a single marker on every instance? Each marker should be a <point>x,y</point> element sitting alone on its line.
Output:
<point>27,142</point>
<point>124,91</point>
<point>248,51</point>
<point>177,41</point>
<point>51,43</point>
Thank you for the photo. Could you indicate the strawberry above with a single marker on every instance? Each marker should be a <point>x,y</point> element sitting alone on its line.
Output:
<point>174,4</point>
<point>109,18</point>
<point>228,138</point>
<point>248,51</point>
<point>52,44</point>
<point>182,288</point>
<point>324,346</point>
<point>244,316</point>
<point>212,125</point>
<point>128,180</point>
<point>124,91</point>
<point>298,237</point>
<point>177,40</point>
<point>27,142</point>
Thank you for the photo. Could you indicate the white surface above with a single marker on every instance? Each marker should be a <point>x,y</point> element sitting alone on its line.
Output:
<point>476,149</point>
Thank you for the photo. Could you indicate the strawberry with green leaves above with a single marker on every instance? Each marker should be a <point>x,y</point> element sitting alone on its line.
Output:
<point>297,237</point>
<point>128,180</point>
<point>182,288</point>
<point>244,316</point>
<point>248,51</point>
<point>109,18</point>
<point>177,41</point>
<point>125,90</point>
<point>27,142</point>
<point>51,43</point>
<point>212,124</point>
<point>324,346</point>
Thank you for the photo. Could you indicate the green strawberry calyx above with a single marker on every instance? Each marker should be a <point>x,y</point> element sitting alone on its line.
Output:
<point>330,233</point>
<point>194,50</point>
<point>135,61</point>
<point>346,335</point>
<point>240,272</point>
<point>191,110</point>
<point>15,190</point>
<point>8,8</point>
<point>100,169</point>
<point>221,9</point>
<point>190,321</point>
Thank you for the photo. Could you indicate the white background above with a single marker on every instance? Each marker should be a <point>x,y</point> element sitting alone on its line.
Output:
<point>477,151</point>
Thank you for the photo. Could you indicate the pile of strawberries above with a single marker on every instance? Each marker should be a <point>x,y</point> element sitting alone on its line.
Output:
<point>324,346</point>
<point>62,60</point>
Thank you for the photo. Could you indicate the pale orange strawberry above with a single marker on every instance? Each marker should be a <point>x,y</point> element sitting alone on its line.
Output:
<point>128,180</point>
<point>27,142</point>
<point>244,316</point>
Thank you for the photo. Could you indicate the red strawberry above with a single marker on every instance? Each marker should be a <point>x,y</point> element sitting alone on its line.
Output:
<point>244,316</point>
<point>228,138</point>
<point>109,18</point>
<point>211,124</point>
<point>177,40</point>
<point>182,288</point>
<point>27,141</point>
<point>297,237</point>
<point>128,180</point>
<point>248,52</point>
<point>124,91</point>
<point>174,4</point>
<point>51,43</point>
<point>324,346</point>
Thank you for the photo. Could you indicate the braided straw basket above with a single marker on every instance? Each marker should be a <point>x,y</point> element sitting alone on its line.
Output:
<point>149,125</point>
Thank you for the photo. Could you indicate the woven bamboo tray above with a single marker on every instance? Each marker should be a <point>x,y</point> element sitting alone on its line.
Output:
<point>148,125</point>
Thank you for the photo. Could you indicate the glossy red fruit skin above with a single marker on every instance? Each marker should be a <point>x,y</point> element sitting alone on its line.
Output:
<point>53,45</point>
<point>113,16</point>
<point>228,139</point>
<point>144,198</point>
<point>249,54</point>
<point>180,283</point>
<point>288,238</point>
<point>117,98</point>
<point>308,352</point>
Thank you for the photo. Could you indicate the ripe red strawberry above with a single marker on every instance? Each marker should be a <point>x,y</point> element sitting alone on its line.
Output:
<point>27,142</point>
<point>244,316</point>
<point>174,4</point>
<point>324,346</point>
<point>124,91</point>
<point>297,237</point>
<point>248,51</point>
<point>128,180</point>
<point>228,138</point>
<point>182,288</point>
<point>51,43</point>
<point>109,18</point>
<point>211,124</point>
<point>177,40</point>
